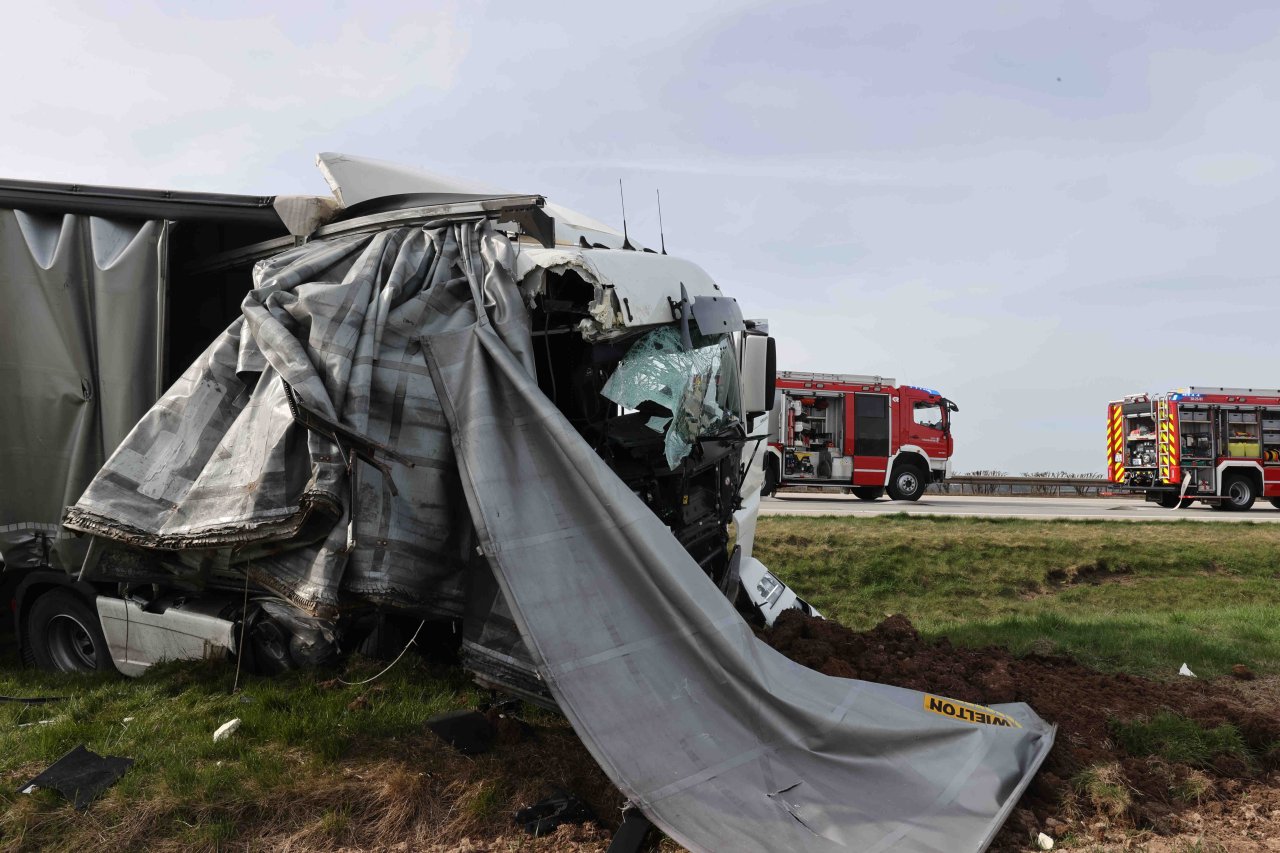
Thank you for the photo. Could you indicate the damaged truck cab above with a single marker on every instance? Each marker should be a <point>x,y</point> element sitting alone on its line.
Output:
<point>643,353</point>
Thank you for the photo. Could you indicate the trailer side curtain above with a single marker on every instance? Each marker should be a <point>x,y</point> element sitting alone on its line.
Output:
<point>80,300</point>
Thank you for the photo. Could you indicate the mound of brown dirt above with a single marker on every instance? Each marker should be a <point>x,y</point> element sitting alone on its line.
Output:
<point>1166,798</point>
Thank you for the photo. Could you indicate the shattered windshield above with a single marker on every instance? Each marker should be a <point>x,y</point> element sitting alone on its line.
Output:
<point>694,392</point>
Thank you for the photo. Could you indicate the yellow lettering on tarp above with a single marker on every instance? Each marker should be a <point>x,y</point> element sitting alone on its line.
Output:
<point>969,713</point>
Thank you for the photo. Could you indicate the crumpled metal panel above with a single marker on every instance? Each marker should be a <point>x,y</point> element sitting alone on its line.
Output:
<point>78,364</point>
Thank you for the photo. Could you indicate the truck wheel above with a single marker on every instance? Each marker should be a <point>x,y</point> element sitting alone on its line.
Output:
<point>907,483</point>
<point>1168,500</point>
<point>1275,502</point>
<point>1238,493</point>
<point>1186,502</point>
<point>770,478</point>
<point>868,493</point>
<point>63,634</point>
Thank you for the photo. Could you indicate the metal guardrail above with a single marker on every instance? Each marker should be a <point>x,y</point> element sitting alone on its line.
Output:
<point>1034,486</point>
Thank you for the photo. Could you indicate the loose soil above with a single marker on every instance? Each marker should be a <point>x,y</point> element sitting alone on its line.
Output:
<point>1231,804</point>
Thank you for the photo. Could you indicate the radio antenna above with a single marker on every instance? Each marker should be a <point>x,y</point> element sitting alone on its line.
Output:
<point>661,235</point>
<point>626,241</point>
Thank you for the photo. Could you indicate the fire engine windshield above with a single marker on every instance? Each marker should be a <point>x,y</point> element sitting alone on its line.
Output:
<point>696,391</point>
<point>929,415</point>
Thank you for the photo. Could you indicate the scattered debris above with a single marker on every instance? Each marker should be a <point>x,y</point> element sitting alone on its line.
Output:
<point>360,703</point>
<point>545,816</point>
<point>226,730</point>
<point>81,776</point>
<point>1186,670</point>
<point>1044,842</point>
<point>37,723</point>
<point>469,732</point>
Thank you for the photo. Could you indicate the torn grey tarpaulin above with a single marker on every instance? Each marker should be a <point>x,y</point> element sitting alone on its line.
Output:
<point>223,464</point>
<point>81,776</point>
<point>694,719</point>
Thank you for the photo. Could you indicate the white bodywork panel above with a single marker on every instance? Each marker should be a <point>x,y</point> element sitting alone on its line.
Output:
<point>770,595</point>
<point>137,639</point>
<point>636,288</point>
<point>358,179</point>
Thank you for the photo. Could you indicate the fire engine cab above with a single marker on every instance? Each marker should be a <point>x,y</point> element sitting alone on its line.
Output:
<point>860,434</point>
<point>1216,445</point>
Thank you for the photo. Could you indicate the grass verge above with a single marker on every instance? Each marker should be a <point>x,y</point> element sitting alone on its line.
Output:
<point>314,765</point>
<point>1141,598</point>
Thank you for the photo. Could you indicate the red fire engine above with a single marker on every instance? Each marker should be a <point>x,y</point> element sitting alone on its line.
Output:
<point>1217,445</point>
<point>862,434</point>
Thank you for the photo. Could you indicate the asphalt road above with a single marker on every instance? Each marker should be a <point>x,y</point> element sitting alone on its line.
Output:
<point>1104,509</point>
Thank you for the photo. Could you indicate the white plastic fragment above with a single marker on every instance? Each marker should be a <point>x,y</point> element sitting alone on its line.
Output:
<point>1044,842</point>
<point>1186,670</point>
<point>127,720</point>
<point>226,730</point>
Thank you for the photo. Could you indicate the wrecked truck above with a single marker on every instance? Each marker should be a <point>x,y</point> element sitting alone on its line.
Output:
<point>250,426</point>
<point>115,295</point>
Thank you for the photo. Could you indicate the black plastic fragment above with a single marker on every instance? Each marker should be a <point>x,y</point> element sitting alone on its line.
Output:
<point>633,832</point>
<point>544,816</point>
<point>81,776</point>
<point>469,732</point>
<point>32,700</point>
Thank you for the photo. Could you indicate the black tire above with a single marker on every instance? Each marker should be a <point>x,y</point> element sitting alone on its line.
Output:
<point>63,634</point>
<point>1275,502</point>
<point>1238,492</point>
<point>868,493</point>
<point>770,478</point>
<point>1168,500</point>
<point>1186,502</point>
<point>907,483</point>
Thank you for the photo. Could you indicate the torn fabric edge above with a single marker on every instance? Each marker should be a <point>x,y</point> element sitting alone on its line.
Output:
<point>758,714</point>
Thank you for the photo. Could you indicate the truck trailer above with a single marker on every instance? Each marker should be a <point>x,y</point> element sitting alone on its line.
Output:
<point>858,433</point>
<point>1220,446</point>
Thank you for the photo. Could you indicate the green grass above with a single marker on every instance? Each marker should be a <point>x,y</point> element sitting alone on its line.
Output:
<point>295,730</point>
<point>1105,787</point>
<point>1178,739</point>
<point>1141,598</point>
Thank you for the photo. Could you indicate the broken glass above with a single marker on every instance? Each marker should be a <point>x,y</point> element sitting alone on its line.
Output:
<point>698,388</point>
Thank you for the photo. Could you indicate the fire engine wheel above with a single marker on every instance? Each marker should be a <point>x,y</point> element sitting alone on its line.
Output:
<point>63,634</point>
<point>868,493</point>
<point>1186,502</point>
<point>1275,502</point>
<point>907,484</point>
<point>1168,500</point>
<point>1238,494</point>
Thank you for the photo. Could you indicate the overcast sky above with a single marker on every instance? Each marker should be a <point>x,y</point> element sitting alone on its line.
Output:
<point>1033,207</point>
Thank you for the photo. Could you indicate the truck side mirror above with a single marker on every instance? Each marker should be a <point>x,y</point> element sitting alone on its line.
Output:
<point>759,374</point>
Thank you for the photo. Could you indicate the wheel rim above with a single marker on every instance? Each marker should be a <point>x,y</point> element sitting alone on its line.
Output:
<point>71,644</point>
<point>908,482</point>
<point>1238,493</point>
